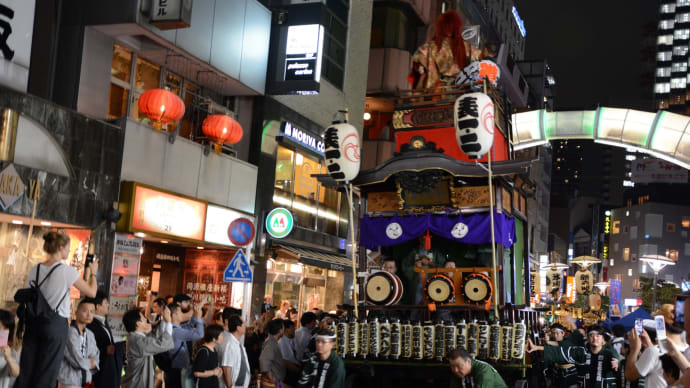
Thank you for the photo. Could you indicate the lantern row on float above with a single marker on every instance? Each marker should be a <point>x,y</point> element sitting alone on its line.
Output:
<point>497,341</point>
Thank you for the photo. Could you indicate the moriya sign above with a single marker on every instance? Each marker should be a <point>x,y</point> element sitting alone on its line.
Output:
<point>11,187</point>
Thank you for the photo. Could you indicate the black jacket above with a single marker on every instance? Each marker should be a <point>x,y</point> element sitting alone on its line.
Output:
<point>110,370</point>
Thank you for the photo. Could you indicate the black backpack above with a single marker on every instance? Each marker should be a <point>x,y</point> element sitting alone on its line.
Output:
<point>164,360</point>
<point>33,306</point>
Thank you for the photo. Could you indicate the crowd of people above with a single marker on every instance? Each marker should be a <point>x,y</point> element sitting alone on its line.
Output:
<point>601,358</point>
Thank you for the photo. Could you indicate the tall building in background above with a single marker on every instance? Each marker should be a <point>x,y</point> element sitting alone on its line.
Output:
<point>673,41</point>
<point>507,24</point>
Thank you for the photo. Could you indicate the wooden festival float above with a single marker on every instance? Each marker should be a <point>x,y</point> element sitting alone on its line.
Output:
<point>442,191</point>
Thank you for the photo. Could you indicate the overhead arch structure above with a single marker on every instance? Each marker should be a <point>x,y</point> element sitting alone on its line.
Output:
<point>663,134</point>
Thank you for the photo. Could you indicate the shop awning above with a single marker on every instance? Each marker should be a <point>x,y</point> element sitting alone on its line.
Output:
<point>320,259</point>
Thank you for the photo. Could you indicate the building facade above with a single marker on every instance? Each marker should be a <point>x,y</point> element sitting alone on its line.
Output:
<point>673,42</point>
<point>648,229</point>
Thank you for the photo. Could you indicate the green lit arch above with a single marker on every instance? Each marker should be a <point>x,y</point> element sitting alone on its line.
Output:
<point>663,134</point>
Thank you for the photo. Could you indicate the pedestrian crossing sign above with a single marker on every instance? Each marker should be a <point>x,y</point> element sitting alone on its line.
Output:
<point>238,269</point>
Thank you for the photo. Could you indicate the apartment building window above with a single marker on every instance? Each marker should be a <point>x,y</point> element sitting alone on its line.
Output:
<point>678,83</point>
<point>680,50</point>
<point>626,254</point>
<point>670,227</point>
<point>682,3</point>
<point>666,24</point>
<point>668,8</point>
<point>682,17</point>
<point>682,34</point>
<point>685,223</point>
<point>335,42</point>
<point>672,254</point>
<point>315,206</point>
<point>616,227</point>
<point>637,286</point>
<point>678,67</point>
<point>664,56</point>
<point>663,87</point>
<point>120,74</point>
<point>665,40</point>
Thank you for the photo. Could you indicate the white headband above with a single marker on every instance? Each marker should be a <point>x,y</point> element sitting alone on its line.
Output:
<point>326,337</point>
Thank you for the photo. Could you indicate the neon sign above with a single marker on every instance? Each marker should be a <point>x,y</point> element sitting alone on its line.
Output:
<point>519,21</point>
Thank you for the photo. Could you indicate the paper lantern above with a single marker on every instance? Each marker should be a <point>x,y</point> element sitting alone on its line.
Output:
<point>554,279</point>
<point>222,129</point>
<point>479,70</point>
<point>161,105</point>
<point>342,150</point>
<point>474,123</point>
<point>584,281</point>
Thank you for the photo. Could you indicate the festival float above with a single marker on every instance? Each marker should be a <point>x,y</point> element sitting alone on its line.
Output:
<point>450,189</point>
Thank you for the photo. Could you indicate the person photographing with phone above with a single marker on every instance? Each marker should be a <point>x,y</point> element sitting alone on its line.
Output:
<point>45,309</point>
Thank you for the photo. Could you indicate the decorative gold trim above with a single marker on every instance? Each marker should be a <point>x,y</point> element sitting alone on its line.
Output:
<point>398,117</point>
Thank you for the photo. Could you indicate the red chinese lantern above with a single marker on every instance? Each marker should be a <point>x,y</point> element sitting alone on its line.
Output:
<point>222,129</point>
<point>161,105</point>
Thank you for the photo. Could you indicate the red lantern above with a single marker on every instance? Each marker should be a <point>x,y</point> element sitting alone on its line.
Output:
<point>161,105</point>
<point>222,129</point>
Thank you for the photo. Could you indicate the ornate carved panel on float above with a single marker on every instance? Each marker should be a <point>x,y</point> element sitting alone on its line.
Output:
<point>384,202</point>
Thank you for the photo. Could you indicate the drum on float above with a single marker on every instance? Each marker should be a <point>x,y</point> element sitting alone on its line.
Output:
<point>439,288</point>
<point>477,288</point>
<point>383,289</point>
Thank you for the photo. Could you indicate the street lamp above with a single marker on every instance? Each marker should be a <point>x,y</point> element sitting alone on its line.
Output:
<point>657,263</point>
<point>585,261</point>
<point>602,286</point>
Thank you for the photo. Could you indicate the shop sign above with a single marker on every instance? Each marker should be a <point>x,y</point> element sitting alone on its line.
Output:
<point>607,224</point>
<point>238,269</point>
<point>303,53</point>
<point>166,257</point>
<point>164,213</point>
<point>171,14</point>
<point>127,245</point>
<point>224,225</point>
<point>11,186</point>
<point>571,292</point>
<point>631,302</point>
<point>17,25</point>
<point>279,222</point>
<point>302,137</point>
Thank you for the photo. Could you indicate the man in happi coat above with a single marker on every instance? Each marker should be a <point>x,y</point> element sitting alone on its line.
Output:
<point>324,369</point>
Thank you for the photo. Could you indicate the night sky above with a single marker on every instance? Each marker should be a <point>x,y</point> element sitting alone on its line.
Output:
<point>595,49</point>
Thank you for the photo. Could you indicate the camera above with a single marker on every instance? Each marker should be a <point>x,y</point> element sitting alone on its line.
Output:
<point>89,260</point>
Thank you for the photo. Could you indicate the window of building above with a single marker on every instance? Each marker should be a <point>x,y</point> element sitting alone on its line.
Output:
<point>647,249</point>
<point>678,83</point>
<point>681,34</point>
<point>666,24</point>
<point>315,207</point>
<point>682,3</point>
<point>636,283</point>
<point>626,229</point>
<point>120,73</point>
<point>678,67</point>
<point>653,225</point>
<point>643,267</point>
<point>680,50</point>
<point>684,234</point>
<point>687,249</point>
<point>664,87</point>
<point>672,254</point>
<point>664,56</point>
<point>663,72</point>
<point>616,227</point>
<point>685,223</point>
<point>615,247</point>
<point>633,257</point>
<point>633,232</point>
<point>682,17</point>
<point>670,227</point>
<point>335,41</point>
<point>668,8</point>
<point>626,254</point>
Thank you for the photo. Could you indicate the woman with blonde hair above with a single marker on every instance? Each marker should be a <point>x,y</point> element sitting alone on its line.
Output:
<point>44,340</point>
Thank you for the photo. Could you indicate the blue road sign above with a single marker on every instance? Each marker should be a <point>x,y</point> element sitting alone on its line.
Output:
<point>241,231</point>
<point>238,270</point>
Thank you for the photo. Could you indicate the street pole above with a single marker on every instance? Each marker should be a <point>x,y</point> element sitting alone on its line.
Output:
<point>654,291</point>
<point>491,215</point>
<point>355,298</point>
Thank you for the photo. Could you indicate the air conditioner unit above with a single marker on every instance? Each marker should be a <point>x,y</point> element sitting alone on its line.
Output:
<point>214,108</point>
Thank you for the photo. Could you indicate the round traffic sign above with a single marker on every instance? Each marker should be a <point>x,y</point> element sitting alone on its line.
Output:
<point>279,222</point>
<point>241,231</point>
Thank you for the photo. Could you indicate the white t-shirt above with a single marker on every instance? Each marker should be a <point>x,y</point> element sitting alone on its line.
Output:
<point>649,365</point>
<point>233,359</point>
<point>56,286</point>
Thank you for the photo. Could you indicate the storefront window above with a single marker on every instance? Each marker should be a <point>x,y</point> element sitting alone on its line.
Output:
<point>120,72</point>
<point>304,286</point>
<point>296,189</point>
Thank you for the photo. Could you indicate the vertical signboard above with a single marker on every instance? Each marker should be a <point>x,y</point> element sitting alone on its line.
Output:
<point>571,293</point>
<point>16,33</point>
<point>615,295</point>
<point>123,280</point>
